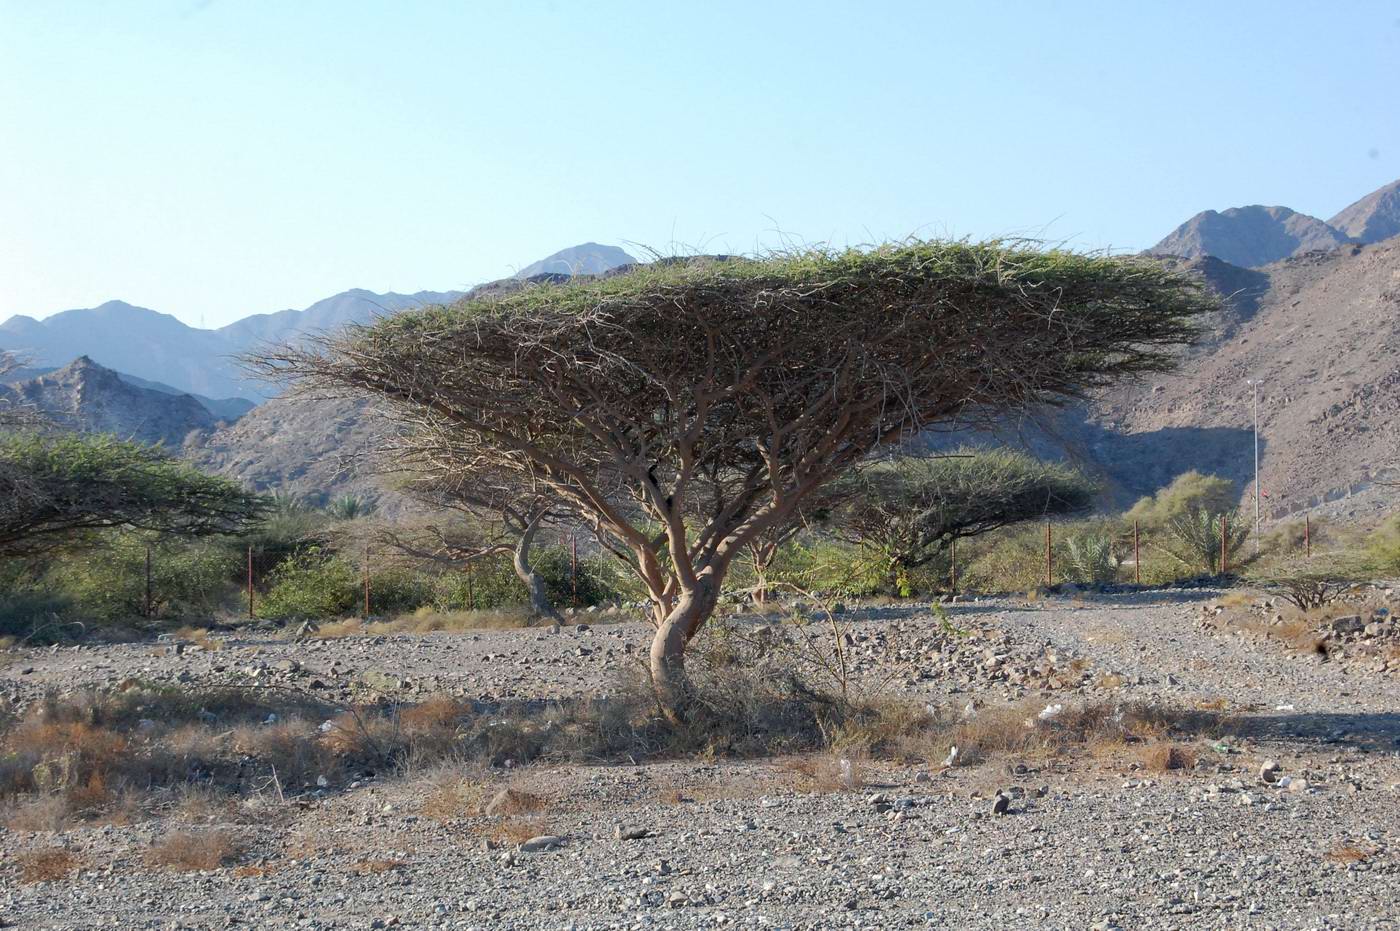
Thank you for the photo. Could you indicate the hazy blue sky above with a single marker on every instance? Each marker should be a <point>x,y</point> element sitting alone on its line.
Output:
<point>214,159</point>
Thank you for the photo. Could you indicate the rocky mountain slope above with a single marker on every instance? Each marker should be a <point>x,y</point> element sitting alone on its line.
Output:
<point>1321,335</point>
<point>88,397</point>
<point>1372,218</point>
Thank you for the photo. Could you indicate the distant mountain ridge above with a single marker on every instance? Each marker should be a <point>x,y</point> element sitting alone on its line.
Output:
<point>1255,236</point>
<point>588,258</point>
<point>144,344</point>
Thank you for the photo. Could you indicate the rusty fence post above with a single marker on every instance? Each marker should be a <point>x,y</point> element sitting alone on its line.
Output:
<point>1224,550</point>
<point>953,566</point>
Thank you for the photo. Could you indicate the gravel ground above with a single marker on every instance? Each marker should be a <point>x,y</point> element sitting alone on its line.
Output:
<point>1087,843</point>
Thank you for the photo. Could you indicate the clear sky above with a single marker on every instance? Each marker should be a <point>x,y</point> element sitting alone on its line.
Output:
<point>215,159</point>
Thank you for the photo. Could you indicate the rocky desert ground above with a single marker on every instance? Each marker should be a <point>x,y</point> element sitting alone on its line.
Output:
<point>1264,794</point>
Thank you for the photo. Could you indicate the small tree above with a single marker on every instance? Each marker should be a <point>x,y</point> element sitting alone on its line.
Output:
<point>58,488</point>
<point>688,407</point>
<point>492,516</point>
<point>910,510</point>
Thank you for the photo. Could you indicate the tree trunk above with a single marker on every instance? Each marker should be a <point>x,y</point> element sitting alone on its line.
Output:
<point>668,677</point>
<point>534,585</point>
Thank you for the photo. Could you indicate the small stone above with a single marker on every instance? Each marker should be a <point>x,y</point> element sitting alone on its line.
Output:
<point>622,833</point>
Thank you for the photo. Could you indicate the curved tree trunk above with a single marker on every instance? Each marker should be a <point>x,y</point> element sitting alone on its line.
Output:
<point>534,585</point>
<point>667,660</point>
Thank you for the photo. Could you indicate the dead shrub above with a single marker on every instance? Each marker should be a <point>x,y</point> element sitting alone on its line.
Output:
<point>836,772</point>
<point>40,813</point>
<point>452,797</point>
<point>1161,757</point>
<point>47,865</point>
<point>516,831</point>
<point>1347,854</point>
<point>188,851</point>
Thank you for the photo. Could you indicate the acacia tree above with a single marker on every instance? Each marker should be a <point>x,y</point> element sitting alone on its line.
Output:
<point>57,488</point>
<point>494,516</point>
<point>686,408</point>
<point>909,510</point>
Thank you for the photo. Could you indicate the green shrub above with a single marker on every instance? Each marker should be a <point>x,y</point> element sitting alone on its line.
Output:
<point>107,583</point>
<point>1188,493</point>
<point>1090,557</point>
<point>311,585</point>
<point>1383,545</point>
<point>492,583</point>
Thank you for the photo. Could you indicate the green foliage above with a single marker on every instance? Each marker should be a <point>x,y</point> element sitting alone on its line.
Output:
<point>349,507</point>
<point>1189,492</point>
<point>1197,539</point>
<point>1091,558</point>
<point>106,583</point>
<point>59,489</point>
<point>908,511</point>
<point>313,584</point>
<point>1383,546</point>
<point>188,581</point>
<point>492,582</point>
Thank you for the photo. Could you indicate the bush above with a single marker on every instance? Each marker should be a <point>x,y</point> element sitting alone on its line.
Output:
<point>492,583</point>
<point>1091,558</point>
<point>311,585</point>
<point>1188,493</point>
<point>1383,545</point>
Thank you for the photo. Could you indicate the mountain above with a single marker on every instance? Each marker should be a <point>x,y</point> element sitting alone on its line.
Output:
<point>88,397</point>
<point>587,259</point>
<point>154,347</point>
<point>1321,334</point>
<point>312,448</point>
<point>354,306</point>
<point>225,409</point>
<point>1372,218</point>
<point>129,339</point>
<point>1249,236</point>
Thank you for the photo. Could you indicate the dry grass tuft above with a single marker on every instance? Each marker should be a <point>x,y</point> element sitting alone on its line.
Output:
<point>452,797</point>
<point>1347,854</point>
<point>40,813</point>
<point>837,772</point>
<point>515,831</point>
<point>375,867</point>
<point>47,865</point>
<point>512,802</point>
<point>189,851</point>
<point>1162,757</point>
